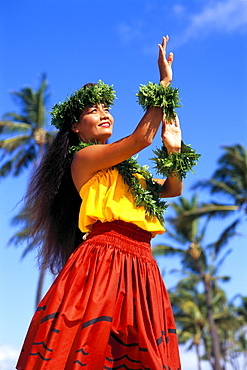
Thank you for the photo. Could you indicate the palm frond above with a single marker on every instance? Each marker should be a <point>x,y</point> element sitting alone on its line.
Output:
<point>175,236</point>
<point>166,250</point>
<point>212,209</point>
<point>222,259</point>
<point>230,179</point>
<point>9,127</point>
<point>20,160</point>
<point>25,159</point>
<point>9,145</point>
<point>223,239</point>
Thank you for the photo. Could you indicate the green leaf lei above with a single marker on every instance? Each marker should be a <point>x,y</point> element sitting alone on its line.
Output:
<point>148,198</point>
<point>154,95</point>
<point>67,112</point>
<point>175,164</point>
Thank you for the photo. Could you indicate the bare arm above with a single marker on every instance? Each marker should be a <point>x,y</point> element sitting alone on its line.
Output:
<point>96,157</point>
<point>171,132</point>
<point>171,187</point>
<point>171,137</point>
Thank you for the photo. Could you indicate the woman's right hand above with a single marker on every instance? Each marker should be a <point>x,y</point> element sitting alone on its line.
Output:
<point>165,64</point>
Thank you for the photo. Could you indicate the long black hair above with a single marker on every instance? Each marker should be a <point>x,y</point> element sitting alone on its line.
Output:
<point>53,204</point>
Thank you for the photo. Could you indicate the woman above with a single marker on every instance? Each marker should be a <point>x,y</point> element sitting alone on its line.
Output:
<point>108,307</point>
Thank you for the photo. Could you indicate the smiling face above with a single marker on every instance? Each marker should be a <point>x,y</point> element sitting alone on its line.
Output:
<point>95,124</point>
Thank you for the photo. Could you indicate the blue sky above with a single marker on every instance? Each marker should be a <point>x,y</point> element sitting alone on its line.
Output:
<point>75,42</point>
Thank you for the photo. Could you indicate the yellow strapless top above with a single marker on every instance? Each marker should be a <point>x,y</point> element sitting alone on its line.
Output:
<point>106,198</point>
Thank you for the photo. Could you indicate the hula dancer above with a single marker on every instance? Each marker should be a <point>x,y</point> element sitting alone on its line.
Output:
<point>95,210</point>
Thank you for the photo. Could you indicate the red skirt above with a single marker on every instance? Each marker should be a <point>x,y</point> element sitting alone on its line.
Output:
<point>107,309</point>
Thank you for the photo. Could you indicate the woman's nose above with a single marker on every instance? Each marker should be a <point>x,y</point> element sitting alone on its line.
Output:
<point>104,113</point>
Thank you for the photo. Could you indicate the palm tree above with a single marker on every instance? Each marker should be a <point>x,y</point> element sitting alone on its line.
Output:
<point>22,237</point>
<point>189,311</point>
<point>189,307</point>
<point>25,138</point>
<point>241,334</point>
<point>200,260</point>
<point>228,181</point>
<point>25,135</point>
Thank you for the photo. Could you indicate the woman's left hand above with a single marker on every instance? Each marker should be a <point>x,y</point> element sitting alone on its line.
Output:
<point>171,135</point>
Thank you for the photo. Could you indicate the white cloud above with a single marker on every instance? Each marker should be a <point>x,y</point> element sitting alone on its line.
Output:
<point>214,16</point>
<point>130,32</point>
<point>222,16</point>
<point>8,357</point>
<point>178,9</point>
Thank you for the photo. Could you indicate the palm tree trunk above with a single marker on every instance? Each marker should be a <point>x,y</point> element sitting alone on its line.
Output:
<point>40,286</point>
<point>42,271</point>
<point>208,352</point>
<point>198,357</point>
<point>214,335</point>
<point>213,331</point>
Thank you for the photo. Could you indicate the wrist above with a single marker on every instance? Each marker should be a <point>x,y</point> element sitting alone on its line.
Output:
<point>165,81</point>
<point>165,97</point>
<point>177,163</point>
<point>173,150</point>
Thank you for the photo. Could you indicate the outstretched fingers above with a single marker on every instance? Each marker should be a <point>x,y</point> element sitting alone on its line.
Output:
<point>164,42</point>
<point>162,48</point>
<point>170,59</point>
<point>172,123</point>
<point>165,64</point>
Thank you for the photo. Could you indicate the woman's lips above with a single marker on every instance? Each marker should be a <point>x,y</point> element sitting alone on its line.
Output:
<point>105,124</point>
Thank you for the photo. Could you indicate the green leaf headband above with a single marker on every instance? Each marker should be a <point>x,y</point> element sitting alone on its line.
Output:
<point>64,114</point>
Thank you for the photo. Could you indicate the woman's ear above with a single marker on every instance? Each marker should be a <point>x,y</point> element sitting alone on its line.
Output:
<point>74,127</point>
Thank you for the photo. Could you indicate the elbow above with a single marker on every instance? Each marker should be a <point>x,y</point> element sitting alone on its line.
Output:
<point>147,141</point>
<point>173,194</point>
<point>179,190</point>
<point>172,191</point>
<point>142,143</point>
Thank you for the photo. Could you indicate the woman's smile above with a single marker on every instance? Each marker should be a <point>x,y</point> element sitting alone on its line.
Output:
<point>105,124</point>
<point>95,124</point>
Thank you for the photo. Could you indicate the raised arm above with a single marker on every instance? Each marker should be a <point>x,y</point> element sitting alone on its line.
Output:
<point>94,158</point>
<point>171,138</point>
<point>171,132</point>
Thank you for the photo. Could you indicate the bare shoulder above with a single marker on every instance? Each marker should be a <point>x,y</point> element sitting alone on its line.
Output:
<point>81,168</point>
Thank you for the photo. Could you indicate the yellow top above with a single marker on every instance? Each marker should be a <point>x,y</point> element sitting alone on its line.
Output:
<point>105,197</point>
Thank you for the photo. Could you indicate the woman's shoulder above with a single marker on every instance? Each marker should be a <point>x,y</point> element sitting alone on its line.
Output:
<point>104,177</point>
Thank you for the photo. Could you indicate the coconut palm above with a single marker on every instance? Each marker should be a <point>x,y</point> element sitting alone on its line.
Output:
<point>241,334</point>
<point>22,237</point>
<point>198,259</point>
<point>190,314</point>
<point>229,182</point>
<point>189,307</point>
<point>24,139</point>
<point>25,136</point>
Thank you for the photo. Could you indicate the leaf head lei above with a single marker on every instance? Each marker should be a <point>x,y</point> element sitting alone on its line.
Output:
<point>64,114</point>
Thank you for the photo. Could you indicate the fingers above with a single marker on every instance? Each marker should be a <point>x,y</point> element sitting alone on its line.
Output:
<point>164,42</point>
<point>165,64</point>
<point>174,122</point>
<point>162,48</point>
<point>170,59</point>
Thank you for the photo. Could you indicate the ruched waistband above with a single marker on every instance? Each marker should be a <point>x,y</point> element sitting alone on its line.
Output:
<point>126,237</point>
